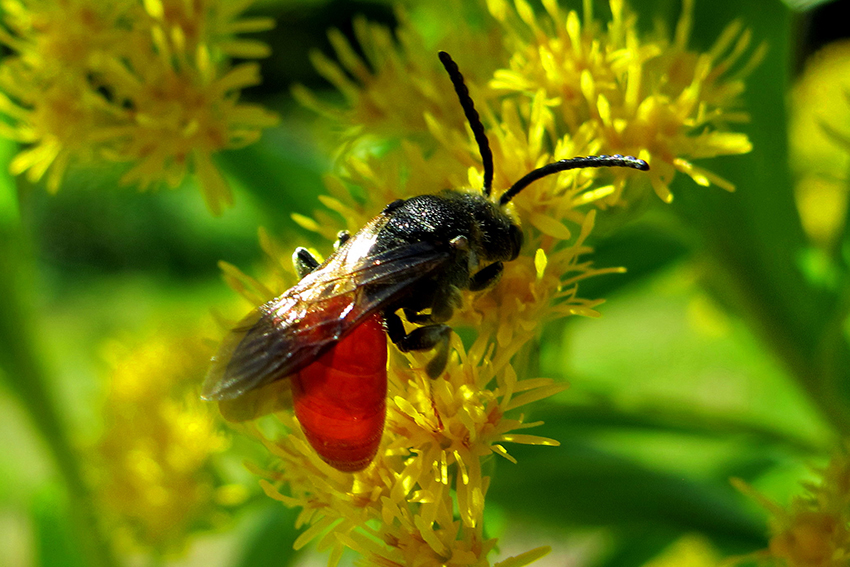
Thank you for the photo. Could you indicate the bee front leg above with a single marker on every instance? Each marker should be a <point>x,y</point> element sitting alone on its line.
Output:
<point>341,238</point>
<point>304,262</point>
<point>442,310</point>
<point>486,277</point>
<point>422,338</point>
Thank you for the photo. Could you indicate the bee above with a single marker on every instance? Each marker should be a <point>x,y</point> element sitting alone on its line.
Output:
<point>327,334</point>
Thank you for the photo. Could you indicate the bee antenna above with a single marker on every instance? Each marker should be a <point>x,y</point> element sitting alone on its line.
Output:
<point>572,163</point>
<point>472,117</point>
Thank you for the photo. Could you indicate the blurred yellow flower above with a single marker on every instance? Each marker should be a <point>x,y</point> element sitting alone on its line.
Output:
<point>815,530</point>
<point>151,469</point>
<point>148,84</point>
<point>688,551</point>
<point>820,142</point>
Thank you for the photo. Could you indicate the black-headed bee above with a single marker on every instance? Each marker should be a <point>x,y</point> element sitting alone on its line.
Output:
<point>415,257</point>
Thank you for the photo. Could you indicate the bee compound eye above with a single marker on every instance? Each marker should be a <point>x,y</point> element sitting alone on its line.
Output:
<point>516,239</point>
<point>392,206</point>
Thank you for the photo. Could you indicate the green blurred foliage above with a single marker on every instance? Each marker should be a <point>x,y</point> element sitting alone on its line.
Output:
<point>706,364</point>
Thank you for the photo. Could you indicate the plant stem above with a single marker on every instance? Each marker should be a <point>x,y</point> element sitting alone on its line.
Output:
<point>26,377</point>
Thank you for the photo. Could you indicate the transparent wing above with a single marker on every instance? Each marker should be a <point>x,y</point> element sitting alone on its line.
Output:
<point>292,330</point>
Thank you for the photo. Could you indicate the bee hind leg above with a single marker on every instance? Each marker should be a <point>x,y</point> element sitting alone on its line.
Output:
<point>422,338</point>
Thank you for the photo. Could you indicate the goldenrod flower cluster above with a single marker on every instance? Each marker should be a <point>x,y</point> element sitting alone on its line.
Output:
<point>151,469</point>
<point>146,83</point>
<point>564,84</point>
<point>629,94</point>
<point>814,531</point>
<point>429,465</point>
<point>547,87</point>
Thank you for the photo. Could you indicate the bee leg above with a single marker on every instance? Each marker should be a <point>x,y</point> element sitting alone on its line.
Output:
<point>304,262</point>
<point>341,238</point>
<point>417,318</point>
<point>442,310</point>
<point>486,277</point>
<point>422,338</point>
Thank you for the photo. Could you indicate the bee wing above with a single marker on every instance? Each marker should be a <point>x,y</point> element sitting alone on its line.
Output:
<point>291,331</point>
<point>269,398</point>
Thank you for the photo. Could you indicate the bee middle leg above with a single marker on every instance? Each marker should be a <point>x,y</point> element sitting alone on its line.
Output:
<point>422,338</point>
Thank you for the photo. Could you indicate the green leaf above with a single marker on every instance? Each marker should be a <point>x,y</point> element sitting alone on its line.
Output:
<point>578,421</point>
<point>8,189</point>
<point>282,172</point>
<point>578,485</point>
<point>644,248</point>
<point>635,547</point>
<point>269,542</point>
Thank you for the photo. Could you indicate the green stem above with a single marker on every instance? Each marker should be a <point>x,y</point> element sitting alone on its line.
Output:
<point>26,377</point>
<point>834,358</point>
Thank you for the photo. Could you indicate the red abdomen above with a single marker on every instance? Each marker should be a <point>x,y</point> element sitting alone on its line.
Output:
<point>340,399</point>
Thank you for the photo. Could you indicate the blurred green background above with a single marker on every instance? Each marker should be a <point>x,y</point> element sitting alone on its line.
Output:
<point>709,361</point>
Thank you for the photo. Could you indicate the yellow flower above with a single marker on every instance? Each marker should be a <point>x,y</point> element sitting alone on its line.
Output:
<point>152,468</point>
<point>421,501</point>
<point>568,89</point>
<point>44,90</point>
<point>588,87</point>
<point>399,510</point>
<point>148,84</point>
<point>630,94</point>
<point>815,530</point>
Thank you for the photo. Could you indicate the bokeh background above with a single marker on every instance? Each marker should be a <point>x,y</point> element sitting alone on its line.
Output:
<point>706,364</point>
